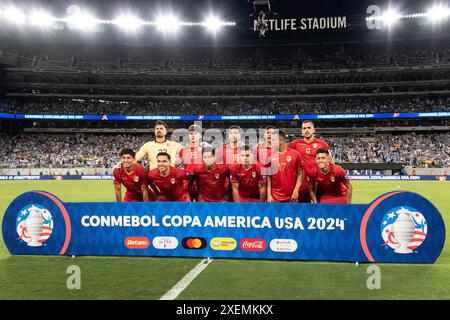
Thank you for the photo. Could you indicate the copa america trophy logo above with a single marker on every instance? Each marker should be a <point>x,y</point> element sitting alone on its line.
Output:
<point>34,225</point>
<point>403,229</point>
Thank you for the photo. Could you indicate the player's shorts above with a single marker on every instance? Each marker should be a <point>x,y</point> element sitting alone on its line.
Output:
<point>330,199</point>
<point>201,199</point>
<point>303,193</point>
<point>184,198</point>
<point>133,197</point>
<point>244,199</point>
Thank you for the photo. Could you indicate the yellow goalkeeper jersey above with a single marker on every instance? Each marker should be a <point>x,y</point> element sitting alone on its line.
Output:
<point>152,148</point>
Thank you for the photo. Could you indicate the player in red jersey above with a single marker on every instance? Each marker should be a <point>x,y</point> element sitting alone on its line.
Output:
<point>330,181</point>
<point>168,181</point>
<point>211,178</point>
<point>247,182</point>
<point>307,148</point>
<point>132,176</point>
<point>229,154</point>
<point>191,156</point>
<point>284,182</point>
<point>263,150</point>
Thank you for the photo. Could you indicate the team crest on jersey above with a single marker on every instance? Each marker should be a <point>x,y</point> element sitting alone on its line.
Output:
<point>308,150</point>
<point>315,145</point>
<point>332,179</point>
<point>288,158</point>
<point>172,180</point>
<point>136,178</point>
<point>254,174</point>
<point>217,176</point>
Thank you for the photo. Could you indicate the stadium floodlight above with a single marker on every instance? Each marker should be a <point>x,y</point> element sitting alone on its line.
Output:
<point>168,23</point>
<point>391,17</point>
<point>213,24</point>
<point>14,15</point>
<point>40,18</point>
<point>437,13</point>
<point>80,20</point>
<point>128,22</point>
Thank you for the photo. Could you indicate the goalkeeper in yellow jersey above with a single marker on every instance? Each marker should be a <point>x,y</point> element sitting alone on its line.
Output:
<point>160,144</point>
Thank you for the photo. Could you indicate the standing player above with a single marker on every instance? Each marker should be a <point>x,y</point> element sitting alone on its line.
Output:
<point>229,153</point>
<point>330,181</point>
<point>132,176</point>
<point>307,147</point>
<point>211,178</point>
<point>160,144</point>
<point>263,150</point>
<point>284,183</point>
<point>247,182</point>
<point>167,181</point>
<point>191,156</point>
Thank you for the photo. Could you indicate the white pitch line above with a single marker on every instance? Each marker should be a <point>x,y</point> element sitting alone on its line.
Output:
<point>173,293</point>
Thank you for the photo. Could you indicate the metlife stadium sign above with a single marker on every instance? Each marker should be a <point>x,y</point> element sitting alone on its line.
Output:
<point>400,227</point>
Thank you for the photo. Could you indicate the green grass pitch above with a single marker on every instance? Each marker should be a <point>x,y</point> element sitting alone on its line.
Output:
<point>43,277</point>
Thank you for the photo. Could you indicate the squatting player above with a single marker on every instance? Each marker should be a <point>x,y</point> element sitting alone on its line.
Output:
<point>307,148</point>
<point>132,176</point>
<point>329,180</point>
<point>211,178</point>
<point>160,144</point>
<point>168,181</point>
<point>283,184</point>
<point>247,182</point>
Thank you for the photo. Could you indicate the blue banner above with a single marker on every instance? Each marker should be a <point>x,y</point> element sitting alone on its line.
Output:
<point>347,116</point>
<point>399,227</point>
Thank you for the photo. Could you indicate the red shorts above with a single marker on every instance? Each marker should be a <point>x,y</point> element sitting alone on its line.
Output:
<point>243,199</point>
<point>133,197</point>
<point>303,193</point>
<point>330,199</point>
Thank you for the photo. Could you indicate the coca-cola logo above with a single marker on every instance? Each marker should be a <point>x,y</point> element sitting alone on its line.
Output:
<point>253,244</point>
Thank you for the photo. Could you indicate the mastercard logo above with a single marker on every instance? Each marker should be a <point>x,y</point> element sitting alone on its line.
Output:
<point>193,243</point>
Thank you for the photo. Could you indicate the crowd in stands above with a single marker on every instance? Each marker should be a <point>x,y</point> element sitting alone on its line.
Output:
<point>41,150</point>
<point>233,107</point>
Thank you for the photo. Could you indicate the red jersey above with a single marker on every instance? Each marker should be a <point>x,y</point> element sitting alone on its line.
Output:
<point>249,181</point>
<point>171,188</point>
<point>212,184</point>
<point>228,155</point>
<point>191,156</point>
<point>132,181</point>
<point>331,185</point>
<point>308,152</point>
<point>286,166</point>
<point>263,154</point>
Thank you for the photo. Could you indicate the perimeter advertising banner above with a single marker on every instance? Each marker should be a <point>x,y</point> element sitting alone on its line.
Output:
<point>400,227</point>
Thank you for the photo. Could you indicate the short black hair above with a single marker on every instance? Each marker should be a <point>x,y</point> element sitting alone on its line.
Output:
<point>234,127</point>
<point>282,134</point>
<point>270,127</point>
<point>159,122</point>
<point>306,121</point>
<point>128,151</point>
<point>322,150</point>
<point>209,149</point>
<point>163,154</point>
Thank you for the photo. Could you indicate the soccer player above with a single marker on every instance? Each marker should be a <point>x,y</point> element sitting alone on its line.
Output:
<point>191,156</point>
<point>132,176</point>
<point>283,184</point>
<point>211,178</point>
<point>160,144</point>
<point>229,153</point>
<point>263,150</point>
<point>307,147</point>
<point>168,181</point>
<point>329,180</point>
<point>247,182</point>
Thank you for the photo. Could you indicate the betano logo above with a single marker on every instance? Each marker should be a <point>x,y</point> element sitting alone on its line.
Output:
<point>193,243</point>
<point>165,243</point>
<point>137,242</point>
<point>225,244</point>
<point>253,244</point>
